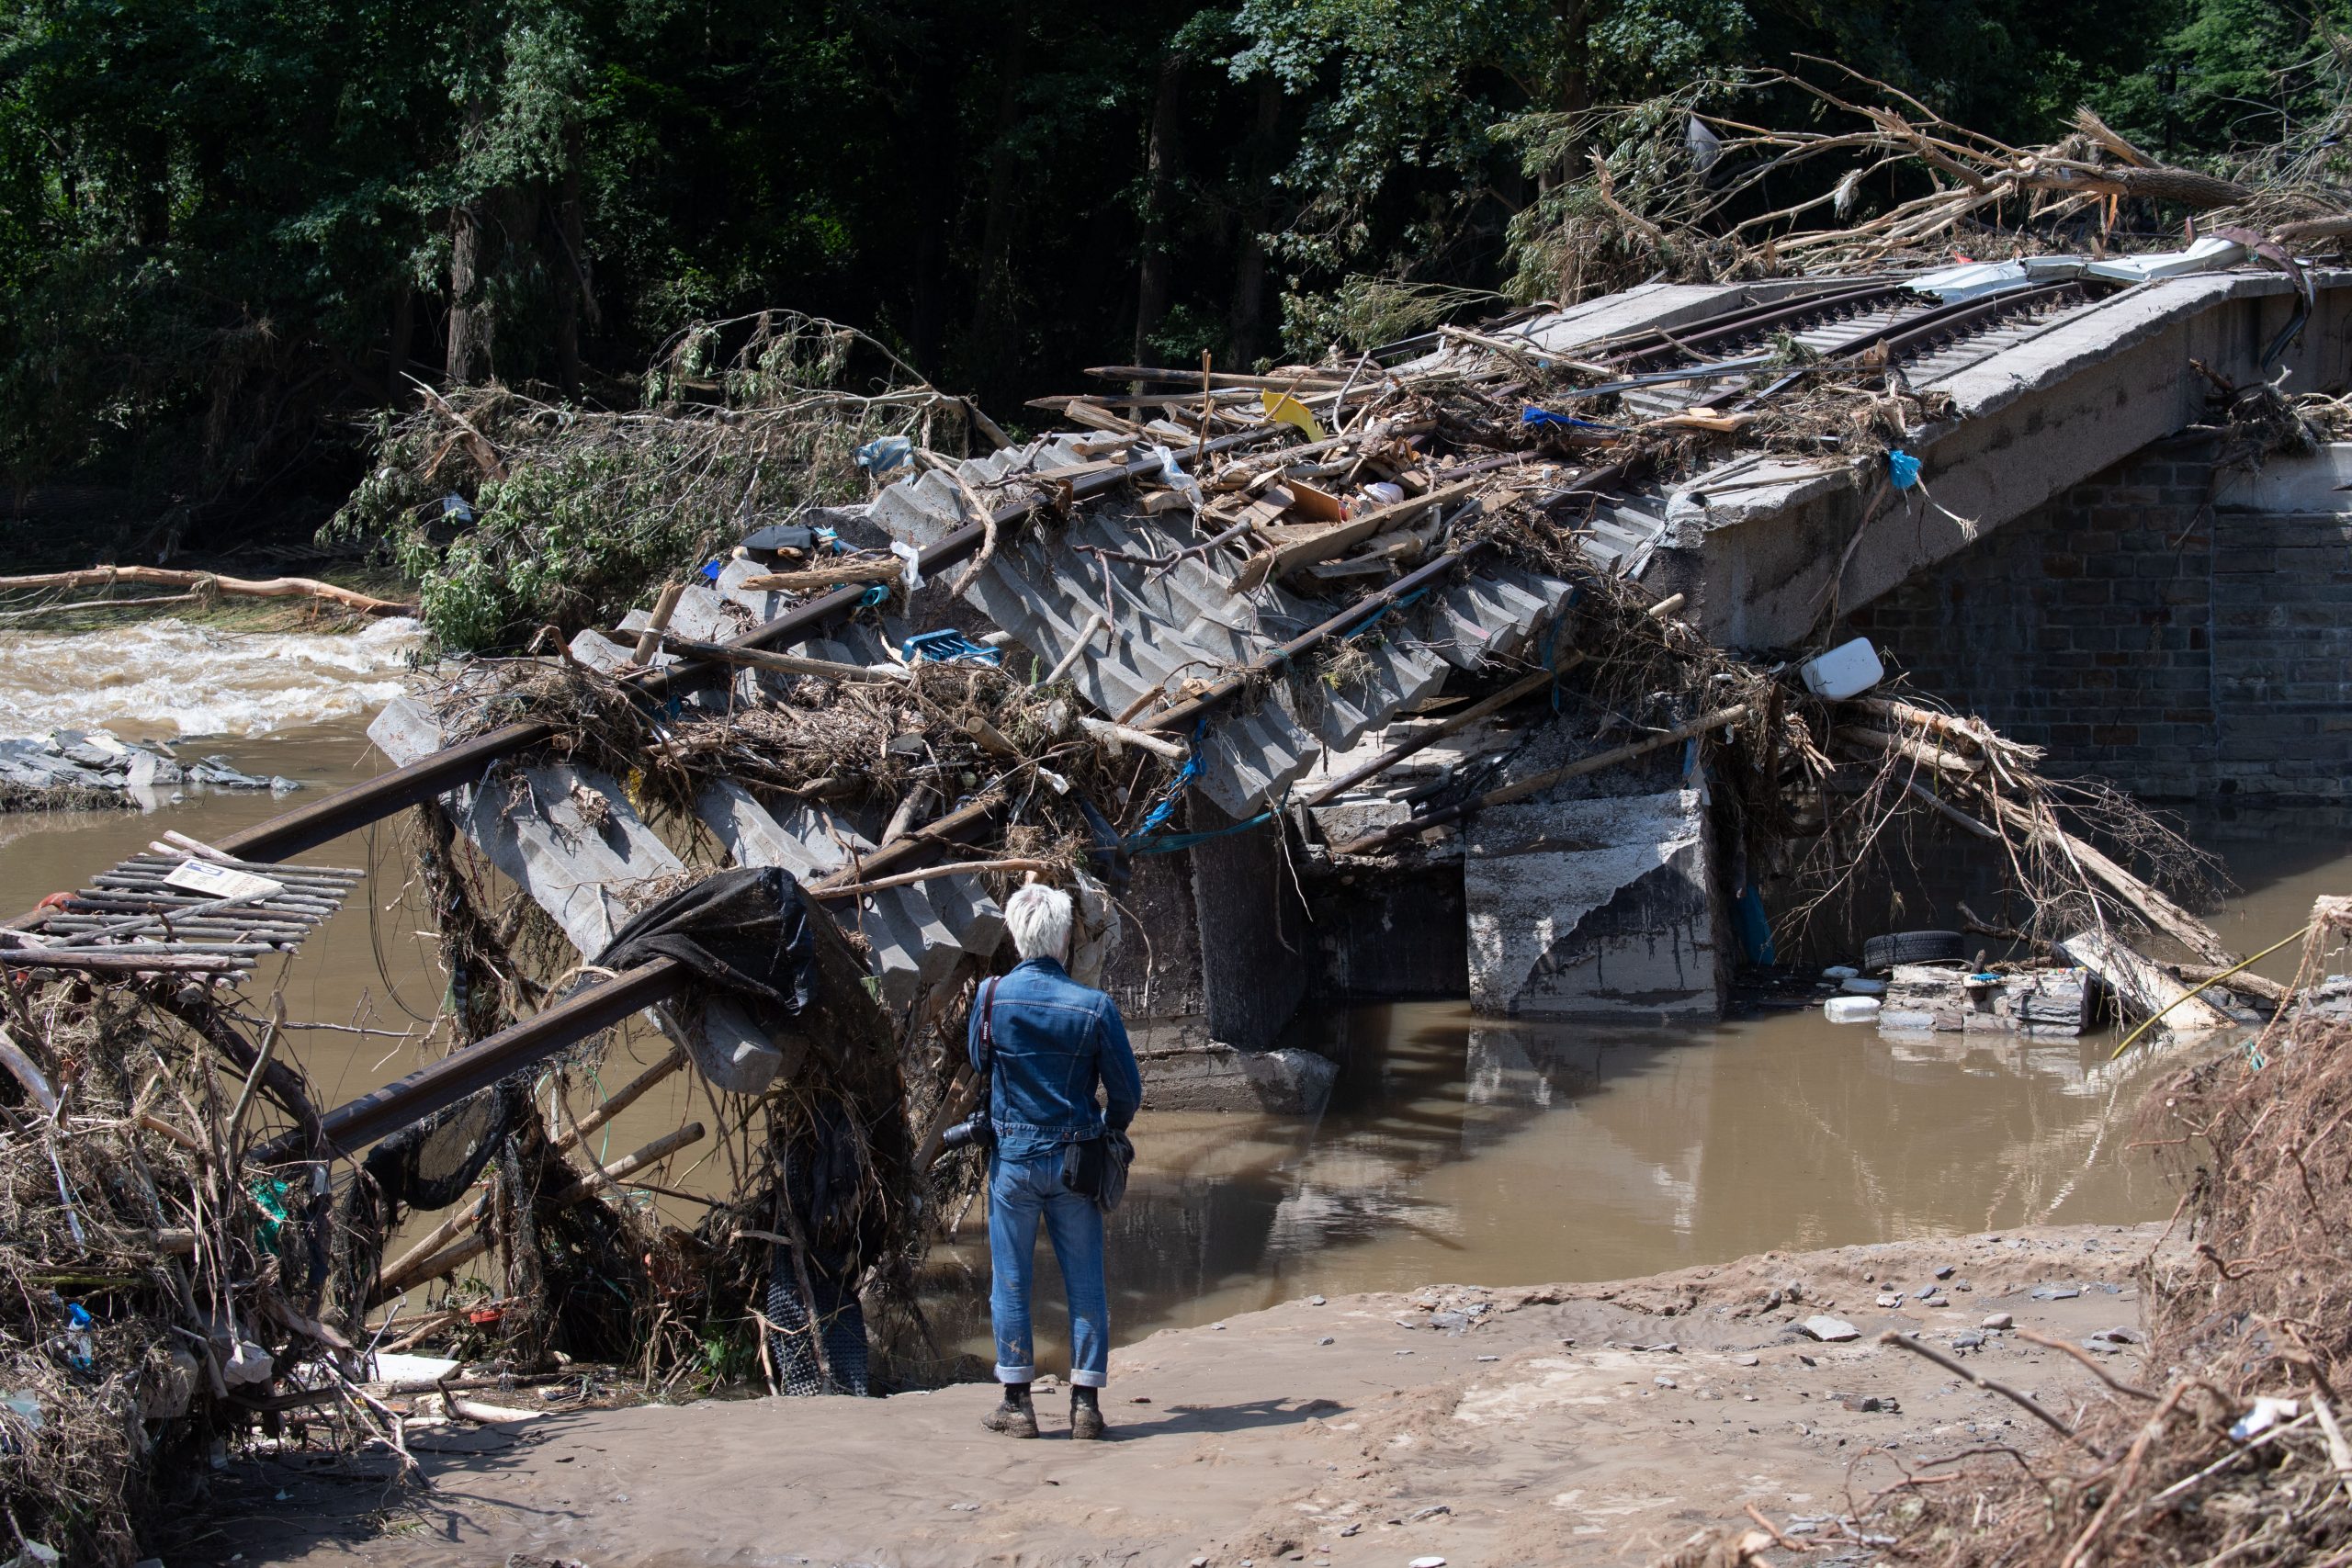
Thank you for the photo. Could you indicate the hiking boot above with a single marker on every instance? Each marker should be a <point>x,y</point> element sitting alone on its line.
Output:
<point>1085,1415</point>
<point>1016,1416</point>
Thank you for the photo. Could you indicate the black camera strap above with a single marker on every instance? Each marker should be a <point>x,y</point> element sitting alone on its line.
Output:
<point>987,1005</point>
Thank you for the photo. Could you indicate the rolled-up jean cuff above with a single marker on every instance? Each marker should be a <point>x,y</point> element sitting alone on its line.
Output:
<point>1083,1378</point>
<point>1016,1375</point>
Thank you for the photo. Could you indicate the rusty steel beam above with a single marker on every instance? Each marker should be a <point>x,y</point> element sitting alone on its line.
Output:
<point>352,1126</point>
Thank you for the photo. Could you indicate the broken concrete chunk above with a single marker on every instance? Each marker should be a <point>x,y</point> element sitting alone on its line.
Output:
<point>1827,1329</point>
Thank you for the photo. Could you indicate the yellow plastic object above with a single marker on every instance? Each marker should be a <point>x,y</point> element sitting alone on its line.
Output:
<point>1284,409</point>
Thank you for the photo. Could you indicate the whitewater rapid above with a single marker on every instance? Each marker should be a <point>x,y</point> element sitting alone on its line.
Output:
<point>166,679</point>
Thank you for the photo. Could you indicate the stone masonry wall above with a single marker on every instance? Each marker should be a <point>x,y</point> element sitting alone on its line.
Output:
<point>2177,639</point>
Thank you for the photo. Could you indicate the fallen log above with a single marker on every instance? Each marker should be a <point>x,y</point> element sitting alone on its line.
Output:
<point>885,569</point>
<point>2238,979</point>
<point>236,587</point>
<point>782,663</point>
<point>1920,752</point>
<point>2160,911</point>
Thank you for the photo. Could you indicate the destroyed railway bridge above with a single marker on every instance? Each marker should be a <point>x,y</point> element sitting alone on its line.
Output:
<point>1583,879</point>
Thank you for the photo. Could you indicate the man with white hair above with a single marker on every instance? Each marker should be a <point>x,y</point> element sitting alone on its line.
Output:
<point>1047,1042</point>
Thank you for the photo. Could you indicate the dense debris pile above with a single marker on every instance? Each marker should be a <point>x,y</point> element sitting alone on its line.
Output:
<point>1694,184</point>
<point>158,1291</point>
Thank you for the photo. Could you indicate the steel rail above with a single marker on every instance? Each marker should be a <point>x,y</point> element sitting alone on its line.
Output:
<point>352,1126</point>
<point>1753,321</point>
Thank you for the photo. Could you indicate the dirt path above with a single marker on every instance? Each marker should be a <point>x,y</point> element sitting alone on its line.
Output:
<point>1600,1424</point>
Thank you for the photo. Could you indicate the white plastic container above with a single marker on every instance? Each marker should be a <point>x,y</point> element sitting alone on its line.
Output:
<point>1848,670</point>
<point>1850,1010</point>
<point>1855,985</point>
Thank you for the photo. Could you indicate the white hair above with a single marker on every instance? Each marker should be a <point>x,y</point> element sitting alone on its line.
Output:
<point>1039,916</point>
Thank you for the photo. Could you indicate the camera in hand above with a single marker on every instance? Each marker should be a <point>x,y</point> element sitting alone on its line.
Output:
<point>974,1131</point>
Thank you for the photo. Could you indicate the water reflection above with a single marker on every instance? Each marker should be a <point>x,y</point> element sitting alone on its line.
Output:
<point>1471,1149</point>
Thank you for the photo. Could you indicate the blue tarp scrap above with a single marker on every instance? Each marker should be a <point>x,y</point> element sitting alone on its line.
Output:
<point>1545,419</point>
<point>948,645</point>
<point>1902,468</point>
<point>883,453</point>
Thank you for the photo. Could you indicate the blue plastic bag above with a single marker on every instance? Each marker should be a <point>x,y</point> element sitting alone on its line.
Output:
<point>883,453</point>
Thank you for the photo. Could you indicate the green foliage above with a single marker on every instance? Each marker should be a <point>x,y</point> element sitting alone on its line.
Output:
<point>567,542</point>
<point>232,229</point>
<point>577,512</point>
<point>1364,313</point>
<point>2234,75</point>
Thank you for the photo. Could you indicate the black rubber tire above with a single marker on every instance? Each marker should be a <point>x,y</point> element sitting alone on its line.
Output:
<point>1882,952</point>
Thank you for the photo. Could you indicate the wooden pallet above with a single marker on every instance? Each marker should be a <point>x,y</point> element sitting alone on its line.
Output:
<point>153,914</point>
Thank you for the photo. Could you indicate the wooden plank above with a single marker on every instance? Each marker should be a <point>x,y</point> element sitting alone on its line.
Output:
<point>1338,538</point>
<point>2143,989</point>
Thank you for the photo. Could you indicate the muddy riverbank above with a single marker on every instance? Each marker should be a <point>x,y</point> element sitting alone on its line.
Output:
<point>1566,1424</point>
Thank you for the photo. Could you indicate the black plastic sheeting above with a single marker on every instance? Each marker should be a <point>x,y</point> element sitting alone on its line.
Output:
<point>745,929</point>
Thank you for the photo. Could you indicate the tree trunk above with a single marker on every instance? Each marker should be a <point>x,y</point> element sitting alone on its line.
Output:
<point>403,341</point>
<point>1159,156</point>
<point>470,326</point>
<point>1247,324</point>
<point>995,346</point>
<point>1572,83</point>
<point>934,125</point>
<point>574,297</point>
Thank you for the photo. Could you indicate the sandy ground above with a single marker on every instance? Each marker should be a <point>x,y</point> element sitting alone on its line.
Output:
<point>1584,1424</point>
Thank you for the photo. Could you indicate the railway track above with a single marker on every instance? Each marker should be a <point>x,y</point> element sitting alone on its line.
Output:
<point>1874,321</point>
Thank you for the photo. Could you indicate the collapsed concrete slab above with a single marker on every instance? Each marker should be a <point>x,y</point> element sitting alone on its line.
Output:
<point>1594,907</point>
<point>1212,1076</point>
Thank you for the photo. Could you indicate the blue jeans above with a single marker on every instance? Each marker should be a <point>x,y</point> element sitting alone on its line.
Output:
<point>1019,1191</point>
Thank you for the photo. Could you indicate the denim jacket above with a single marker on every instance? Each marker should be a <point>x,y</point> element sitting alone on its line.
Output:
<point>1056,1040</point>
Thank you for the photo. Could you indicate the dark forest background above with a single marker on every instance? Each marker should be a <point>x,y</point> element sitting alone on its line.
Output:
<point>232,231</point>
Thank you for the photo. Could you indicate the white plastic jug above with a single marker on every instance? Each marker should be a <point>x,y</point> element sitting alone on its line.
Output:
<point>1846,671</point>
<point>1850,1010</point>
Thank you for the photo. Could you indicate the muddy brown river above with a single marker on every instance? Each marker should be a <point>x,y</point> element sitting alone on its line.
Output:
<point>1456,1147</point>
